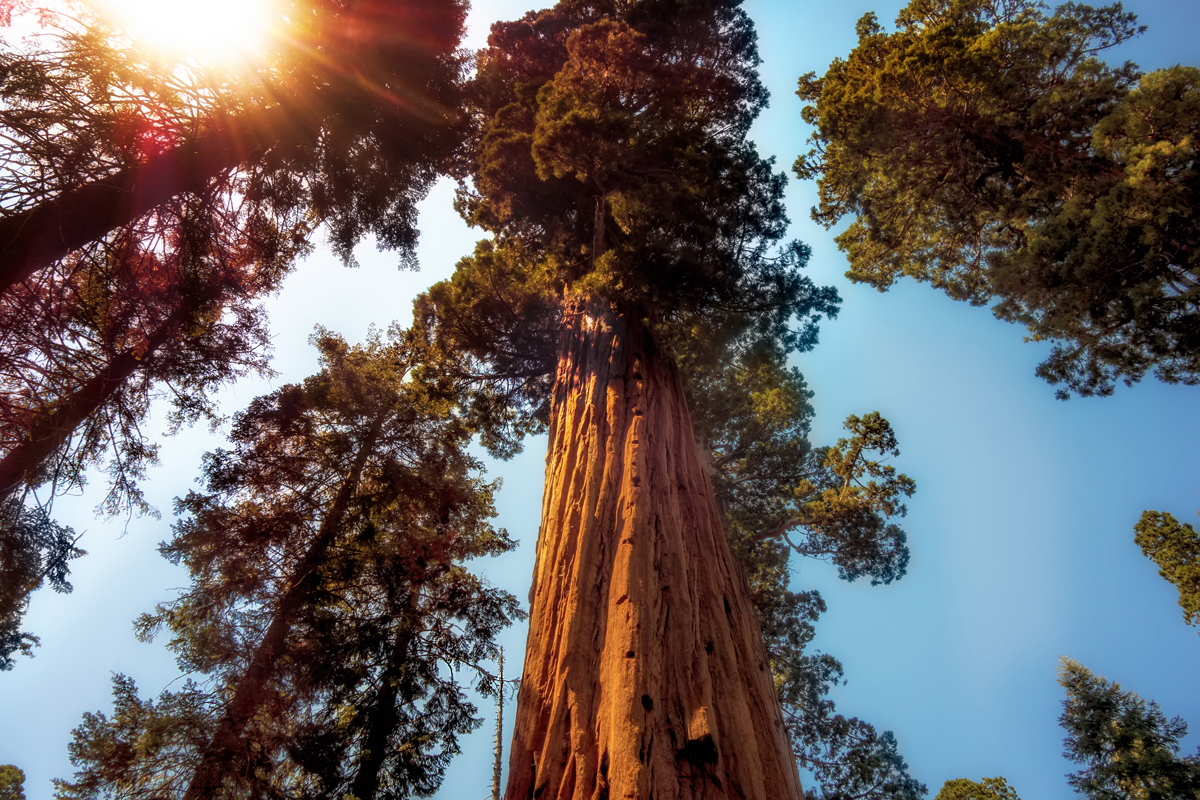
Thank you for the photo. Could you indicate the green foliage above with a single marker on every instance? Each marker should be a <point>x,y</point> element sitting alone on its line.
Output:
<point>611,161</point>
<point>1127,746</point>
<point>33,549</point>
<point>781,496</point>
<point>985,148</point>
<point>12,783</point>
<point>1175,548</point>
<point>142,743</point>
<point>369,120</point>
<point>329,612</point>
<point>831,503</point>
<point>987,789</point>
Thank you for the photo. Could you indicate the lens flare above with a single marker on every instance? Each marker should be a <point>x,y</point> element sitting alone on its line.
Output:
<point>205,29</point>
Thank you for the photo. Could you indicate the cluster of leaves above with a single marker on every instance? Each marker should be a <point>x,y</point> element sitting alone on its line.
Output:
<point>985,148</point>
<point>329,607</point>
<point>1128,748</point>
<point>611,162</point>
<point>986,789</point>
<point>779,496</point>
<point>1175,547</point>
<point>12,783</point>
<point>33,550</point>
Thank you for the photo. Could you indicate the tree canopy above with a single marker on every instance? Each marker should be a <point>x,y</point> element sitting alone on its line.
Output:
<point>1127,747</point>
<point>1175,547</point>
<point>611,161</point>
<point>985,148</point>
<point>986,789</point>
<point>340,120</point>
<point>329,607</point>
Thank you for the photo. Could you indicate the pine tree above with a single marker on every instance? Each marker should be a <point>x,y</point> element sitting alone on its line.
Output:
<point>984,147</point>
<point>1126,745</point>
<point>1175,547</point>
<point>343,121</point>
<point>329,605</point>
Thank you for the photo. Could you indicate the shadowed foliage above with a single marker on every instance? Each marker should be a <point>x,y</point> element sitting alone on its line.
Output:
<point>330,611</point>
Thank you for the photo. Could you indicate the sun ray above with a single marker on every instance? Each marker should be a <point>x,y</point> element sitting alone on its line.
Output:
<point>204,29</point>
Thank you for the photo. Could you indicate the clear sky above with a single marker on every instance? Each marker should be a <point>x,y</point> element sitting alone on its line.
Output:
<point>1021,528</point>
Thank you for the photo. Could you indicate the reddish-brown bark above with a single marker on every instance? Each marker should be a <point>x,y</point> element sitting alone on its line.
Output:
<point>645,672</point>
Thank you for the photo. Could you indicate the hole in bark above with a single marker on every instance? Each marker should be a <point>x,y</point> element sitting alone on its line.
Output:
<point>630,654</point>
<point>728,610</point>
<point>647,703</point>
<point>604,764</point>
<point>698,751</point>
<point>636,482</point>
<point>708,647</point>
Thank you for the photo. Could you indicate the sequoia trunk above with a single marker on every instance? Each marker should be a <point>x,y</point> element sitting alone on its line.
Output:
<point>645,672</point>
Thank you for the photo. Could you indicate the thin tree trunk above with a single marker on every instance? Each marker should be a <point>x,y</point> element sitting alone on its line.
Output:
<point>38,236</point>
<point>53,427</point>
<point>498,764</point>
<point>383,716</point>
<point>645,672</point>
<point>249,695</point>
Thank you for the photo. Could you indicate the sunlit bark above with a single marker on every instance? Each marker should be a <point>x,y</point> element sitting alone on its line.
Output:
<point>645,672</point>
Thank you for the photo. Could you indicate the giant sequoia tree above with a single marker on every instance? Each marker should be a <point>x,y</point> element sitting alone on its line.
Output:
<point>985,147</point>
<point>634,228</point>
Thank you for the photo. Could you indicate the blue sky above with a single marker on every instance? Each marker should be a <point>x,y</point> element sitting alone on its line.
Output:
<point>1021,528</point>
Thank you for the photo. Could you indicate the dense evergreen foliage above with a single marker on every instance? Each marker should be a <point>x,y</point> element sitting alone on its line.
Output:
<point>12,783</point>
<point>985,147</point>
<point>986,789</point>
<point>329,611</point>
<point>1175,547</point>
<point>1127,747</point>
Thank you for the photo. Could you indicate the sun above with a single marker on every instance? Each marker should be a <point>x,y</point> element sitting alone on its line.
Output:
<point>205,29</point>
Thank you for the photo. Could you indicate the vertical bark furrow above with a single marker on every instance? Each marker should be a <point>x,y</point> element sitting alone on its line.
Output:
<point>635,584</point>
